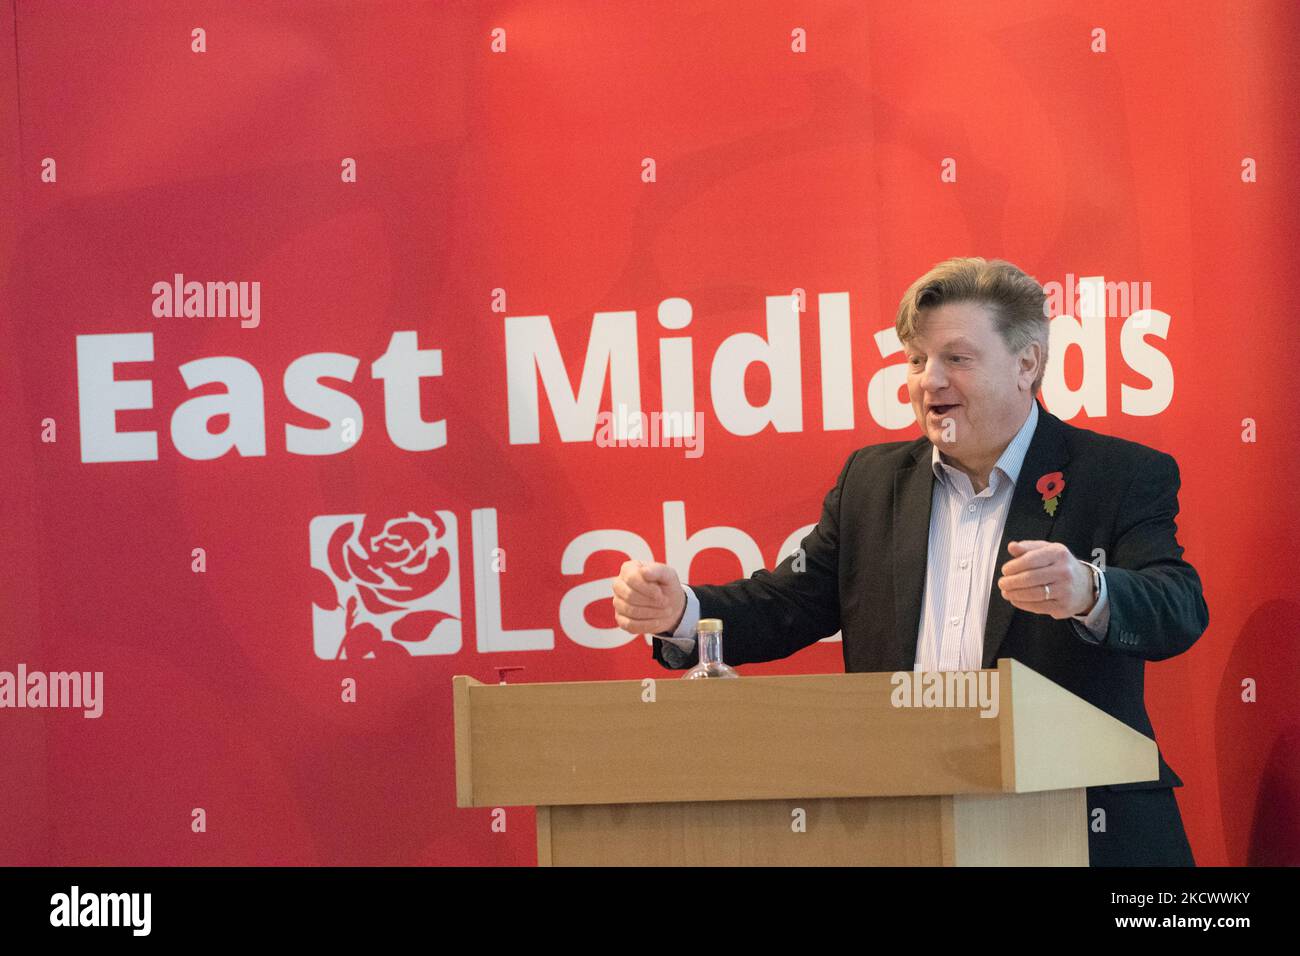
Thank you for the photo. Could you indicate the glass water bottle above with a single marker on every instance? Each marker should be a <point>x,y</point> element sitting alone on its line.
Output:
<point>708,638</point>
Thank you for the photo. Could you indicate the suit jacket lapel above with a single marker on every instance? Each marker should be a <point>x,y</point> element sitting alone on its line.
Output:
<point>913,493</point>
<point>1027,520</point>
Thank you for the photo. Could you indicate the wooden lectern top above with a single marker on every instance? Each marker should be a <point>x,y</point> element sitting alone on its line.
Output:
<point>806,736</point>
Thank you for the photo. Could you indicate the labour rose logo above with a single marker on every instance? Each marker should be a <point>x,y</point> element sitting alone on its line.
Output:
<point>385,587</point>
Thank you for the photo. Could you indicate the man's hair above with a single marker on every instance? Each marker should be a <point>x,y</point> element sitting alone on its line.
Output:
<point>1015,299</point>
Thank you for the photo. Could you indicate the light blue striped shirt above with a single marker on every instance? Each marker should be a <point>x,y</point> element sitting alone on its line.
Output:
<point>965,531</point>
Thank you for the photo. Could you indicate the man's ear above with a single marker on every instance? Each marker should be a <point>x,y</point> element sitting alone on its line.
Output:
<point>1031,359</point>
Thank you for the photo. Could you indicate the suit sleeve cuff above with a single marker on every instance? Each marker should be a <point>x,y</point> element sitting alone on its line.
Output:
<point>1092,627</point>
<point>684,637</point>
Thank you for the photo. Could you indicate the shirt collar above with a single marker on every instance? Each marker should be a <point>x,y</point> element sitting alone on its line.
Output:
<point>1012,458</point>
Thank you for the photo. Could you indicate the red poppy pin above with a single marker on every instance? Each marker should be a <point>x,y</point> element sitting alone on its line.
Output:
<point>1050,487</point>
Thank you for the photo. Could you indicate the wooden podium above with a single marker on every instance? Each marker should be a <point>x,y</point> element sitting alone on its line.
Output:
<point>823,769</point>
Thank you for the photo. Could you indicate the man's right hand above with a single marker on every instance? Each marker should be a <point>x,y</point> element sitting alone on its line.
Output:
<point>648,598</point>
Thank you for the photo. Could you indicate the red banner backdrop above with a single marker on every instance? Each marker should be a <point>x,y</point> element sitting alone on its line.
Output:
<point>310,311</point>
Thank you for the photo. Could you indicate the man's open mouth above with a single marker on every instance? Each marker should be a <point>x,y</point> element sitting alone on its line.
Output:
<point>942,409</point>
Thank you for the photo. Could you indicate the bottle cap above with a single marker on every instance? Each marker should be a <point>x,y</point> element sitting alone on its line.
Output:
<point>709,625</point>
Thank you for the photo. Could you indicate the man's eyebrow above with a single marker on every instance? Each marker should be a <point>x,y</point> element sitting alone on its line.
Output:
<point>957,343</point>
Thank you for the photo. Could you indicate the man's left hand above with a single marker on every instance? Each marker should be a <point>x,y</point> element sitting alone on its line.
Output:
<point>1038,563</point>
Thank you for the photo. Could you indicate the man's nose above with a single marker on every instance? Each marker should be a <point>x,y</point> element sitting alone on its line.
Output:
<point>932,377</point>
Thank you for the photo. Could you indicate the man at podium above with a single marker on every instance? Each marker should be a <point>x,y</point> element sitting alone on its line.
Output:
<point>968,544</point>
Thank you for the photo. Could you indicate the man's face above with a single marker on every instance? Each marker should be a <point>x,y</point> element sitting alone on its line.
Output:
<point>967,389</point>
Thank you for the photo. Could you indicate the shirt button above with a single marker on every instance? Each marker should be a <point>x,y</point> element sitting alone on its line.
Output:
<point>970,507</point>
<point>964,562</point>
<point>954,621</point>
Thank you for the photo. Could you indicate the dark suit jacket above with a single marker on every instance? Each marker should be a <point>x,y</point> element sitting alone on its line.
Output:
<point>866,560</point>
